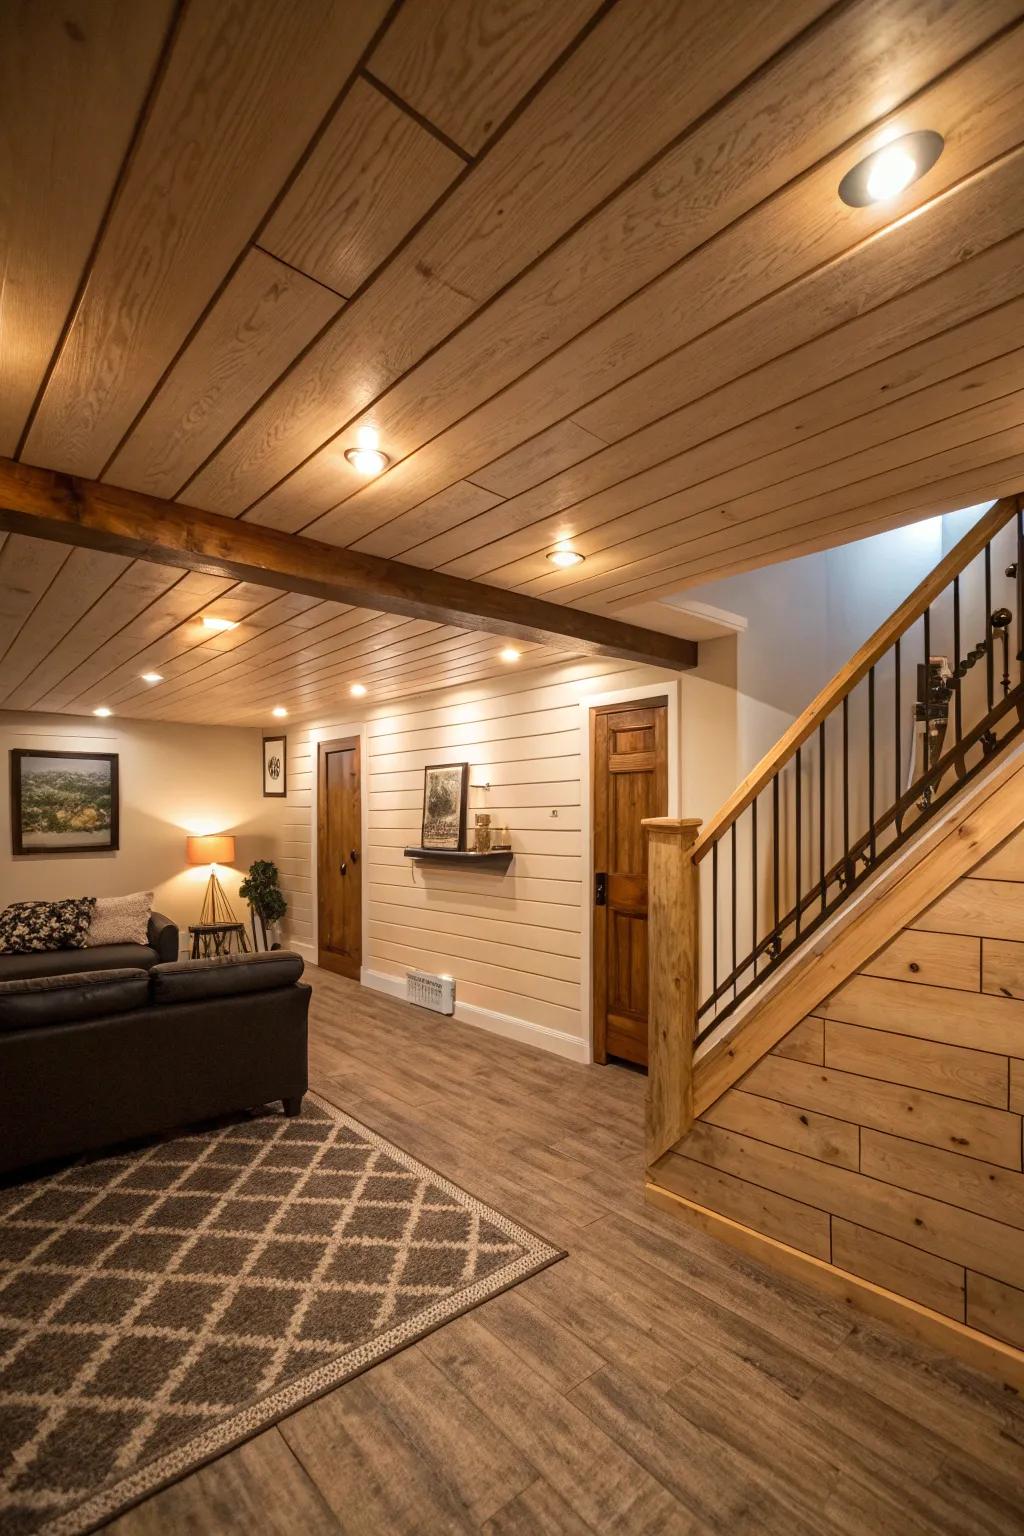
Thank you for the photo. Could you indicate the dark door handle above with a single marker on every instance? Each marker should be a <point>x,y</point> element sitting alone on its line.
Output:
<point>601,889</point>
<point>354,856</point>
<point>341,867</point>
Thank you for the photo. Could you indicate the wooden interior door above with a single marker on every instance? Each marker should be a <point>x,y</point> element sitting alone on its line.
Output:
<point>339,858</point>
<point>630,781</point>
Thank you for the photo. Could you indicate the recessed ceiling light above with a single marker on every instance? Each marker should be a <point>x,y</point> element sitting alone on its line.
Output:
<point>565,557</point>
<point>358,690</point>
<point>367,461</point>
<point>211,622</point>
<point>278,711</point>
<point>890,170</point>
<point>366,457</point>
<point>510,653</point>
<point>152,677</point>
<point>103,712</point>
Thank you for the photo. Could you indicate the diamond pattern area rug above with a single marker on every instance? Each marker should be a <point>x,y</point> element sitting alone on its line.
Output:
<point>162,1304</point>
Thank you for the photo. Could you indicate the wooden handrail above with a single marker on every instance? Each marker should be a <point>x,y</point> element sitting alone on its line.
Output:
<point>849,675</point>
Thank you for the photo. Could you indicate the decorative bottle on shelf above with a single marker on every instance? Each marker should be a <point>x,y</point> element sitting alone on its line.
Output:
<point>483,832</point>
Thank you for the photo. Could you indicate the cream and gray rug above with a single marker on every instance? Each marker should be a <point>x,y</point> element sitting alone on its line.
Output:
<point>160,1305</point>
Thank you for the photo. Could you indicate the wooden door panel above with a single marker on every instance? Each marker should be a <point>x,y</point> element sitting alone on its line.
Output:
<point>627,965</point>
<point>339,858</point>
<point>631,762</point>
<point>627,893</point>
<point>630,771</point>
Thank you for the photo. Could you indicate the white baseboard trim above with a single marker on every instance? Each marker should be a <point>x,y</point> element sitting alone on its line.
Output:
<point>557,1041</point>
<point>307,951</point>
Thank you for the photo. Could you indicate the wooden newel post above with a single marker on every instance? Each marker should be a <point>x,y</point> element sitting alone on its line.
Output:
<point>673,912</point>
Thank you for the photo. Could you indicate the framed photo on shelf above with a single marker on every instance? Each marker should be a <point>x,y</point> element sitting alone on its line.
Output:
<point>445,792</point>
<point>275,767</point>
<point>64,802</point>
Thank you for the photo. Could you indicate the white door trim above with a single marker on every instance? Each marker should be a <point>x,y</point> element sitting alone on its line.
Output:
<point>670,692</point>
<point>337,733</point>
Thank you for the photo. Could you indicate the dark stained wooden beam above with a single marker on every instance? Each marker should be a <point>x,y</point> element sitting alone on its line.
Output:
<point>48,505</point>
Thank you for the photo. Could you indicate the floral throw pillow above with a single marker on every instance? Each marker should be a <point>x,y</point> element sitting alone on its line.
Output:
<point>28,927</point>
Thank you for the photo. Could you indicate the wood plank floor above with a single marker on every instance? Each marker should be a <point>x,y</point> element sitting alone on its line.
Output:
<point>652,1382</point>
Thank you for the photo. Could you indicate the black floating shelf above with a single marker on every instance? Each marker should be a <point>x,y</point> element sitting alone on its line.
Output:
<point>460,855</point>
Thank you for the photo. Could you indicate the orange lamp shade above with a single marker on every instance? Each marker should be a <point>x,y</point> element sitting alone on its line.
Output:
<point>216,849</point>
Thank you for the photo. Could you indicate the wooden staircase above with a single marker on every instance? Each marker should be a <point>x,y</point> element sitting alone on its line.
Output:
<point>880,1154</point>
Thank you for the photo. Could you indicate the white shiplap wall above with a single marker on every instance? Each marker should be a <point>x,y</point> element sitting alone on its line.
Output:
<point>514,941</point>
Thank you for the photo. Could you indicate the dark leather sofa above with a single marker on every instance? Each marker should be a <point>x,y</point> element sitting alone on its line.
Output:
<point>94,1058</point>
<point>162,947</point>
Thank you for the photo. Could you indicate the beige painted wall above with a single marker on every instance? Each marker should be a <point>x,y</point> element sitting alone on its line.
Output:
<point>175,779</point>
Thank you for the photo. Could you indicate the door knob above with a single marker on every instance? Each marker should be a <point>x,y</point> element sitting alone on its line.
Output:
<point>354,856</point>
<point>601,889</point>
<point>341,867</point>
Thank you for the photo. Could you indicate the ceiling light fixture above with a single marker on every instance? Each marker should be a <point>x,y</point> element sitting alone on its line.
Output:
<point>217,626</point>
<point>890,170</point>
<point>103,712</point>
<point>367,461</point>
<point>152,677</point>
<point>279,712</point>
<point>358,690</point>
<point>366,457</point>
<point>565,557</point>
<point>510,653</point>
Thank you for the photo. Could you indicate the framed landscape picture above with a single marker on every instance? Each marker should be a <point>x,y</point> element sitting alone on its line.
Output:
<point>63,802</point>
<point>445,787</point>
<point>275,766</point>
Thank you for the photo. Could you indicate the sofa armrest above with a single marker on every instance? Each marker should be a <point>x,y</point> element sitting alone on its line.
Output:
<point>163,936</point>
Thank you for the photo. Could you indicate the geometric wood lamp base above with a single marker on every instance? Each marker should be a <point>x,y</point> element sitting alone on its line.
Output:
<point>216,907</point>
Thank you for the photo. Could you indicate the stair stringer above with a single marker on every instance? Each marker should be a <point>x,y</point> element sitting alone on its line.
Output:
<point>988,810</point>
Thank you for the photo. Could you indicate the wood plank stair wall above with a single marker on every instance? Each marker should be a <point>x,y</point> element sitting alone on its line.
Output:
<point>876,1148</point>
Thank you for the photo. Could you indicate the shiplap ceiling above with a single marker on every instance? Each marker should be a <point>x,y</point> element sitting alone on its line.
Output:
<point>582,267</point>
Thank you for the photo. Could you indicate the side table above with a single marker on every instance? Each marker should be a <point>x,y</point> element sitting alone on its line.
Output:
<point>212,939</point>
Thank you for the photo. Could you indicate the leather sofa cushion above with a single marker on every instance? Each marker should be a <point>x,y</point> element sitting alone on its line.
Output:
<point>69,962</point>
<point>224,976</point>
<point>40,1001</point>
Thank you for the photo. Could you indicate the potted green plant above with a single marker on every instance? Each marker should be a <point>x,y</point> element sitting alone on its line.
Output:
<point>261,890</point>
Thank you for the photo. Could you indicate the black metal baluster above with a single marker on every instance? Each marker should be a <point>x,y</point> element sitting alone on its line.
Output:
<point>927,695</point>
<point>871,759</point>
<point>799,813</point>
<point>989,660</point>
<point>958,722</point>
<point>821,812</point>
<point>732,918</point>
<point>898,727</point>
<point>846,788</point>
<point>775,860</point>
<point>714,925</point>
<point>753,882</point>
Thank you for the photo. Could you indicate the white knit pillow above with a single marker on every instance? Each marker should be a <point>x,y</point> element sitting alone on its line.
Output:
<point>120,920</point>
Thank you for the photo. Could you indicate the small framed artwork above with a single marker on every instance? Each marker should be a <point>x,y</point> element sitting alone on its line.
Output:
<point>64,802</point>
<point>275,766</point>
<point>445,790</point>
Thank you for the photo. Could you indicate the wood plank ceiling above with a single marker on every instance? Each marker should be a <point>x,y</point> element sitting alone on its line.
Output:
<point>582,268</point>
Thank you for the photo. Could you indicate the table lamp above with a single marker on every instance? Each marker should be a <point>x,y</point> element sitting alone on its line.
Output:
<point>218,848</point>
